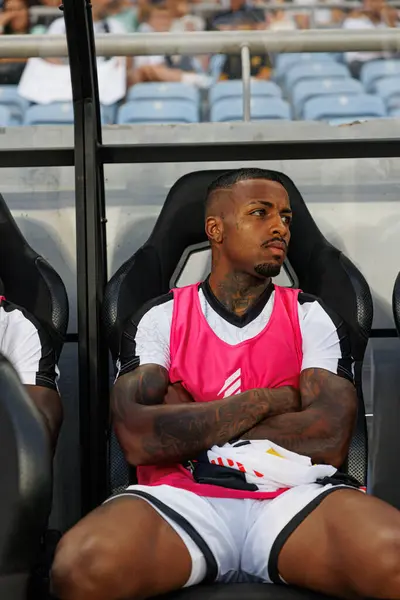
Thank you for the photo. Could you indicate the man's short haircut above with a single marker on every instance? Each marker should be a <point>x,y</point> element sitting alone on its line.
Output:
<point>230,178</point>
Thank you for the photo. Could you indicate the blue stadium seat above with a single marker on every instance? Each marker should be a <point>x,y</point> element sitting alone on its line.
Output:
<point>62,113</point>
<point>5,116</point>
<point>284,62</point>
<point>305,90</point>
<point>262,109</point>
<point>163,91</point>
<point>9,97</point>
<point>372,71</point>
<point>388,88</point>
<point>314,70</point>
<point>353,107</point>
<point>234,89</point>
<point>158,111</point>
<point>56,113</point>
<point>108,114</point>
<point>394,112</point>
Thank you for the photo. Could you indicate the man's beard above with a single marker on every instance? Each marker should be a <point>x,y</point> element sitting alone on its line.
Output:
<point>268,269</point>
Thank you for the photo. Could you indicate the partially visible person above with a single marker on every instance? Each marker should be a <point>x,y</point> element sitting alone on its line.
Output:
<point>124,12</point>
<point>177,68</point>
<point>14,20</point>
<point>260,64</point>
<point>102,21</point>
<point>29,348</point>
<point>375,15</point>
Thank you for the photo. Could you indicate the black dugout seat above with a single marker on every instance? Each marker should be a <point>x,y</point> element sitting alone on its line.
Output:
<point>29,281</point>
<point>396,303</point>
<point>313,263</point>
<point>25,484</point>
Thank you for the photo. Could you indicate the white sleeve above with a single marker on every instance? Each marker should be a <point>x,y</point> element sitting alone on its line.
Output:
<point>146,337</point>
<point>29,350</point>
<point>325,341</point>
<point>57,27</point>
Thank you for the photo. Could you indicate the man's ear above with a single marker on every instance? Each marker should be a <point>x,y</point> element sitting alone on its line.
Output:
<point>215,229</point>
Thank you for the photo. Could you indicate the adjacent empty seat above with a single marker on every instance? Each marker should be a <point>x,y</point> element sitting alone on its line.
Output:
<point>305,90</point>
<point>314,70</point>
<point>57,113</point>
<point>163,91</point>
<point>5,116</point>
<point>388,89</point>
<point>159,111</point>
<point>234,89</point>
<point>371,72</point>
<point>16,104</point>
<point>262,109</point>
<point>344,107</point>
<point>284,62</point>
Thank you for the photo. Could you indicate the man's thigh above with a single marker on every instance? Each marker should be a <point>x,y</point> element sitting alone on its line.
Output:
<point>349,546</point>
<point>142,545</point>
<point>119,550</point>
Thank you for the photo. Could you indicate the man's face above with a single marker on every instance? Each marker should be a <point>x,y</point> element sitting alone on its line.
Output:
<point>374,7</point>
<point>254,227</point>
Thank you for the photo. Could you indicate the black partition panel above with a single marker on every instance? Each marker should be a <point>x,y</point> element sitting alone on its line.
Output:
<point>89,155</point>
<point>91,254</point>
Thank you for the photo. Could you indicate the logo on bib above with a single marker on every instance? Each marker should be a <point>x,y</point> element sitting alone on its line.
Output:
<point>232,385</point>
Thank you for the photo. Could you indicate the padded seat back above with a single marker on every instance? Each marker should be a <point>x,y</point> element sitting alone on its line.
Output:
<point>29,281</point>
<point>396,303</point>
<point>320,268</point>
<point>25,483</point>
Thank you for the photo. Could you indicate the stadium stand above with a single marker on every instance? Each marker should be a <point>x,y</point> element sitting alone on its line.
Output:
<point>158,111</point>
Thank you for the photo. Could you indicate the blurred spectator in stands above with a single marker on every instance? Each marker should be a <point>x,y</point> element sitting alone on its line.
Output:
<point>102,21</point>
<point>45,81</point>
<point>185,69</point>
<point>182,19</point>
<point>124,12</point>
<point>260,64</point>
<point>14,20</point>
<point>375,15</point>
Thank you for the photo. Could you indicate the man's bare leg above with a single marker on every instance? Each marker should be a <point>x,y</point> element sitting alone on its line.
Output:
<point>122,550</point>
<point>349,546</point>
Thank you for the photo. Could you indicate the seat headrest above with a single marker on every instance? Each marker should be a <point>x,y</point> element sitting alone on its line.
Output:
<point>29,281</point>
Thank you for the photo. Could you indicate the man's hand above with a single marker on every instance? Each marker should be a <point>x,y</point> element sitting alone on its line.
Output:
<point>323,428</point>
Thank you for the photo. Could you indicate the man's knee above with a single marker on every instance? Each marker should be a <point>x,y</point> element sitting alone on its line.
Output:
<point>380,578</point>
<point>88,567</point>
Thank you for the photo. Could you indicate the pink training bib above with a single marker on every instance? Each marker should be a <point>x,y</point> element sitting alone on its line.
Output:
<point>210,368</point>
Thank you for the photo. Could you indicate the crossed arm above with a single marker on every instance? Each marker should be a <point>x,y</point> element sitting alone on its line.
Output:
<point>156,426</point>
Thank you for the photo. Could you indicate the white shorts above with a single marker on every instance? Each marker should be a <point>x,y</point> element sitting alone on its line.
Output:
<point>232,540</point>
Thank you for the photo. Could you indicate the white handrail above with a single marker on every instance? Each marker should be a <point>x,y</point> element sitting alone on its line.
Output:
<point>226,42</point>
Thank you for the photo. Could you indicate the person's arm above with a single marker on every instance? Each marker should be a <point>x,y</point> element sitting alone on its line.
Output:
<point>151,432</point>
<point>322,429</point>
<point>48,403</point>
<point>30,350</point>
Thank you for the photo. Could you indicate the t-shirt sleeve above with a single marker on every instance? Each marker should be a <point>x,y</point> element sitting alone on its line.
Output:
<point>326,344</point>
<point>30,350</point>
<point>145,339</point>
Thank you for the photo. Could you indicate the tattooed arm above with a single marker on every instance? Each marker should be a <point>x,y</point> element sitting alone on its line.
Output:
<point>322,429</point>
<point>151,432</point>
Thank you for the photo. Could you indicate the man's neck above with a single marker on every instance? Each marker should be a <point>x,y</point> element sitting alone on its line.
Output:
<point>237,291</point>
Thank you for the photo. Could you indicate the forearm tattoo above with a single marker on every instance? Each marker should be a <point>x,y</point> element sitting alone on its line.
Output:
<point>323,429</point>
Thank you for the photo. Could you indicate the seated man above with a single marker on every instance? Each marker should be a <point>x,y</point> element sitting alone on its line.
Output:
<point>28,347</point>
<point>233,358</point>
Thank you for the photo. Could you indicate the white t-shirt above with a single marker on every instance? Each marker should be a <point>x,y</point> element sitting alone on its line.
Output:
<point>27,346</point>
<point>325,344</point>
<point>364,22</point>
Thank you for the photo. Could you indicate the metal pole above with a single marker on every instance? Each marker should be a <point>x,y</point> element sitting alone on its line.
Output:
<point>207,42</point>
<point>245,57</point>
